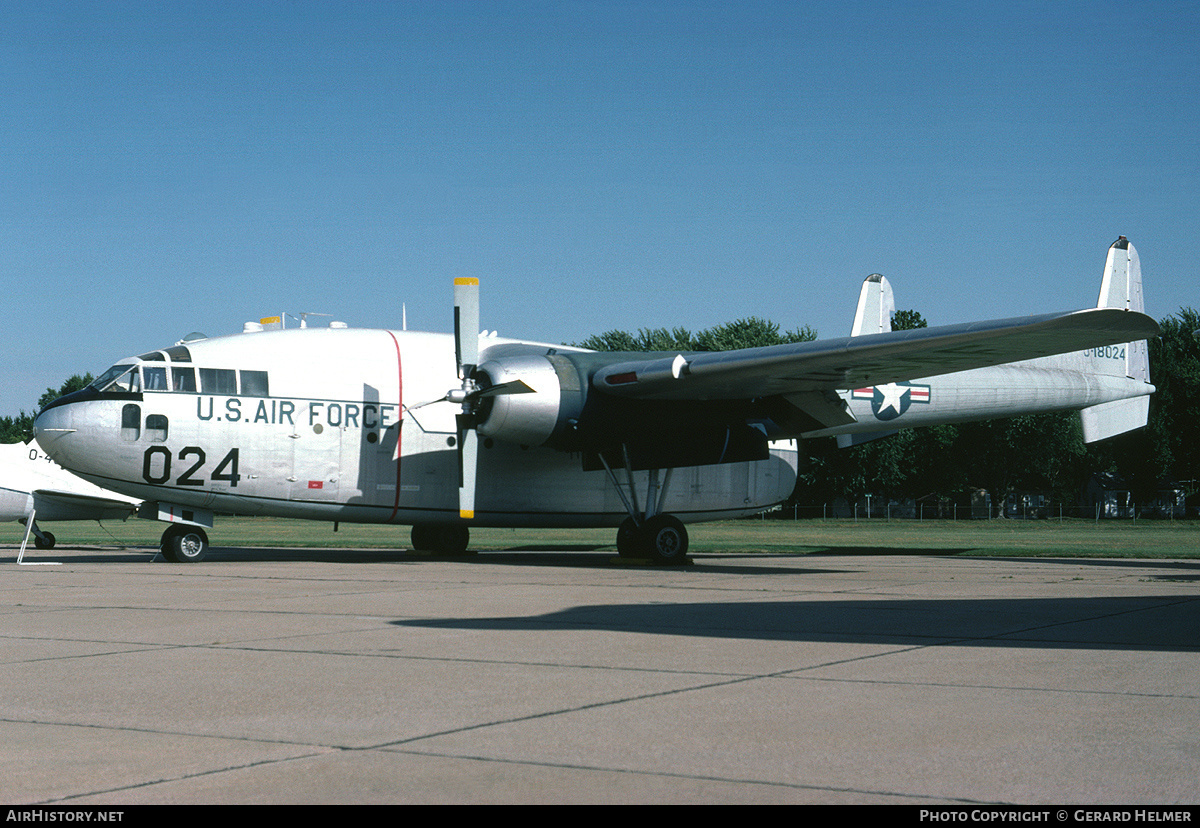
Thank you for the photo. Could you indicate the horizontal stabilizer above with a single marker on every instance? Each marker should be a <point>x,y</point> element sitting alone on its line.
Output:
<point>1112,418</point>
<point>848,440</point>
<point>826,408</point>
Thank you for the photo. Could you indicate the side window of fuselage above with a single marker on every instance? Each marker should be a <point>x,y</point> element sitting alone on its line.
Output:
<point>254,384</point>
<point>218,381</point>
<point>183,378</point>
<point>131,423</point>
<point>156,428</point>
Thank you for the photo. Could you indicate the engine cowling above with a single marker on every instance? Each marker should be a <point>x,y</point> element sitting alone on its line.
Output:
<point>546,415</point>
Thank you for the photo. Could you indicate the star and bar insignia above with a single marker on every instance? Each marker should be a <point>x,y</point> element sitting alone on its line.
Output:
<point>890,401</point>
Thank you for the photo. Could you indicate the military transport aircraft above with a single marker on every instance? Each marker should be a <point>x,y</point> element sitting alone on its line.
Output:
<point>441,432</point>
<point>33,487</point>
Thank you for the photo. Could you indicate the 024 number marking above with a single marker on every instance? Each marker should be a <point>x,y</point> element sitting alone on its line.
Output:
<point>156,466</point>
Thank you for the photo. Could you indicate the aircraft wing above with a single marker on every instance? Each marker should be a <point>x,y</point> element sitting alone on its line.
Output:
<point>860,361</point>
<point>52,504</point>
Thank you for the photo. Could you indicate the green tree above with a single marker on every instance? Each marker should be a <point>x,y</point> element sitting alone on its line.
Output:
<point>744,333</point>
<point>16,429</point>
<point>76,382</point>
<point>1175,372</point>
<point>1032,452</point>
<point>908,320</point>
<point>749,333</point>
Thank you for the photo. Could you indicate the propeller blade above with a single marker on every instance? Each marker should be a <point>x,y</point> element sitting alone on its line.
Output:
<point>510,387</point>
<point>427,402</point>
<point>466,352</point>
<point>466,324</point>
<point>468,457</point>
<point>457,395</point>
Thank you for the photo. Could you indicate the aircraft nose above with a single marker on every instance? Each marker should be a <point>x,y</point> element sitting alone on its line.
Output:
<point>50,426</point>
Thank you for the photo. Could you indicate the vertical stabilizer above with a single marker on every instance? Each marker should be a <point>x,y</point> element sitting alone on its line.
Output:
<point>873,316</point>
<point>1121,288</point>
<point>875,307</point>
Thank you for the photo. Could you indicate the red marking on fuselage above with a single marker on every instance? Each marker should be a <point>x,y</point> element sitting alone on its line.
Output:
<point>399,424</point>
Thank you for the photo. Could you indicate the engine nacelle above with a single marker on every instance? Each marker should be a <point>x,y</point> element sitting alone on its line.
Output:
<point>547,415</point>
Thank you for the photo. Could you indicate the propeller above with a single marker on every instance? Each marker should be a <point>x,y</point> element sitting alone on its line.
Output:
<point>466,353</point>
<point>471,394</point>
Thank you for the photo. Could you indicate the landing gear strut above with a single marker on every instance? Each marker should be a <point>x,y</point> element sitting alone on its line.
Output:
<point>653,534</point>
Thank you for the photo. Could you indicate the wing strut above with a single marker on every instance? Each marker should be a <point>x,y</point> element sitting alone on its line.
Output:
<point>31,526</point>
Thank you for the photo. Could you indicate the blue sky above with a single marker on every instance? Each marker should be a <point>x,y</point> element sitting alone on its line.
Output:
<point>173,167</point>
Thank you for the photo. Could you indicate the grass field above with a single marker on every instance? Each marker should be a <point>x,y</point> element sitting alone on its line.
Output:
<point>1042,538</point>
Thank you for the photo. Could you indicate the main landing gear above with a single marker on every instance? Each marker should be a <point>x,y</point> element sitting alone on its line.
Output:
<point>651,534</point>
<point>661,538</point>
<point>183,543</point>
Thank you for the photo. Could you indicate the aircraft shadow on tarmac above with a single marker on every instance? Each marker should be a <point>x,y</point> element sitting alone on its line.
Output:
<point>590,556</point>
<point>577,556</point>
<point>584,558</point>
<point>1157,623</point>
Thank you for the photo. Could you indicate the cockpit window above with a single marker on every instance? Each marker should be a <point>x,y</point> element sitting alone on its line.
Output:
<point>159,376</point>
<point>183,379</point>
<point>218,381</point>
<point>179,354</point>
<point>154,377</point>
<point>119,378</point>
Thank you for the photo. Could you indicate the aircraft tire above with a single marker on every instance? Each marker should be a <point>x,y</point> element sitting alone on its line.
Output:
<point>448,539</point>
<point>422,537</point>
<point>665,539</point>
<point>46,541</point>
<point>628,540</point>
<point>184,544</point>
<point>451,539</point>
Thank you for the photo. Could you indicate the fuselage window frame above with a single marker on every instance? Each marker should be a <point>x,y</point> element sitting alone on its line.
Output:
<point>183,378</point>
<point>154,377</point>
<point>157,426</point>
<point>131,422</point>
<point>254,384</point>
<point>121,378</point>
<point>221,381</point>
